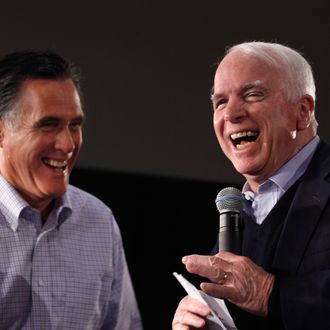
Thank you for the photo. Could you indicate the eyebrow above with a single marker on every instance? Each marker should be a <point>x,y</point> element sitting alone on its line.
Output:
<point>53,119</point>
<point>243,88</point>
<point>252,84</point>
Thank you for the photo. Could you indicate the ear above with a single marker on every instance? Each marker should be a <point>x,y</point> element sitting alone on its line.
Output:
<point>305,112</point>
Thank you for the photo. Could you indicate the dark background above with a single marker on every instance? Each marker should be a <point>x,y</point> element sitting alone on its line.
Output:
<point>161,220</point>
<point>149,148</point>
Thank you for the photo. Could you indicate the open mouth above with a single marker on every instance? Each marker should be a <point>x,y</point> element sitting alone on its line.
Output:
<point>242,139</point>
<point>54,164</point>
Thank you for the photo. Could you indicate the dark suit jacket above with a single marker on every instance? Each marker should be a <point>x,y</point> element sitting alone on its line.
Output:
<point>301,262</point>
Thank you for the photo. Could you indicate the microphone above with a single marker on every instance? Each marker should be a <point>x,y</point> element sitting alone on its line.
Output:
<point>229,202</point>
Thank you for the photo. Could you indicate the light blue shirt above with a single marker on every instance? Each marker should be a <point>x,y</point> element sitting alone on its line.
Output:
<point>68,274</point>
<point>273,189</point>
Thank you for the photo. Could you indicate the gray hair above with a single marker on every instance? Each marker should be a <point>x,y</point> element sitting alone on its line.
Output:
<point>299,76</point>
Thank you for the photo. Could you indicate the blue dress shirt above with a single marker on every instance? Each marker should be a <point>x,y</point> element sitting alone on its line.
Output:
<point>70,273</point>
<point>274,188</point>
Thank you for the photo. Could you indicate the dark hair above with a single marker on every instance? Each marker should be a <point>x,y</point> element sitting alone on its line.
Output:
<point>17,67</point>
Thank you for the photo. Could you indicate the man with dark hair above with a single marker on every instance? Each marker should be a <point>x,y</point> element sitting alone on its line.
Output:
<point>62,264</point>
<point>264,118</point>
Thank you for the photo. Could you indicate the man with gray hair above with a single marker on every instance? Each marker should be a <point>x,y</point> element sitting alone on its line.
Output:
<point>264,120</point>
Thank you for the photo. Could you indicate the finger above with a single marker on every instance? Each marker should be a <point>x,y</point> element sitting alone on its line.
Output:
<point>186,327</point>
<point>220,291</point>
<point>225,255</point>
<point>190,313</point>
<point>188,320</point>
<point>193,305</point>
<point>179,326</point>
<point>195,258</point>
<point>211,267</point>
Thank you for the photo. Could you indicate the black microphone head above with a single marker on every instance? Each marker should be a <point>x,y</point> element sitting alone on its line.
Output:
<point>229,199</point>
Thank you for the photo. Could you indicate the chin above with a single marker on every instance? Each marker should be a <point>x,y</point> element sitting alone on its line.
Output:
<point>246,170</point>
<point>57,192</point>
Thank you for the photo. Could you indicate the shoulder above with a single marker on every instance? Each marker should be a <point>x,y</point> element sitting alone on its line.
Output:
<point>87,205</point>
<point>78,195</point>
<point>320,162</point>
<point>323,147</point>
<point>317,175</point>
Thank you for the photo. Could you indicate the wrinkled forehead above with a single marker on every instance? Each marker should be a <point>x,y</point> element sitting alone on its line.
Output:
<point>240,69</point>
<point>238,59</point>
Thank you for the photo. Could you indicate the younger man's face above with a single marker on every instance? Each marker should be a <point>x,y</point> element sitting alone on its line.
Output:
<point>38,155</point>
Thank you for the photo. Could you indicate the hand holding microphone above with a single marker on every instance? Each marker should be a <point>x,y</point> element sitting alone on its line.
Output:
<point>232,276</point>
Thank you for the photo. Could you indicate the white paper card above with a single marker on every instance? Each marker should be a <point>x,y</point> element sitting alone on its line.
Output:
<point>220,319</point>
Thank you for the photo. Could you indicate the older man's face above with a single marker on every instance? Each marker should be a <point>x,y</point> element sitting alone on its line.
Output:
<point>254,122</point>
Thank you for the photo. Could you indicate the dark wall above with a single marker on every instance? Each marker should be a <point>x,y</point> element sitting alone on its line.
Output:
<point>161,220</point>
<point>149,66</point>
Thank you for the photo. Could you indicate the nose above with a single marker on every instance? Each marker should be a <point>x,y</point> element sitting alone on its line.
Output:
<point>234,111</point>
<point>64,141</point>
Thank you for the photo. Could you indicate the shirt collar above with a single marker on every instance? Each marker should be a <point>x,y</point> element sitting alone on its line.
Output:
<point>291,171</point>
<point>12,205</point>
<point>63,208</point>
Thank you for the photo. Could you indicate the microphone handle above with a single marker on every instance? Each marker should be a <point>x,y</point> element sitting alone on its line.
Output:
<point>230,234</point>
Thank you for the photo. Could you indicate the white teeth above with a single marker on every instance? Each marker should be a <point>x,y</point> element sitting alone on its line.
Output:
<point>242,146</point>
<point>55,163</point>
<point>242,134</point>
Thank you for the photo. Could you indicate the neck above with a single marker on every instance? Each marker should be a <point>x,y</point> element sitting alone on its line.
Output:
<point>255,180</point>
<point>253,184</point>
<point>46,211</point>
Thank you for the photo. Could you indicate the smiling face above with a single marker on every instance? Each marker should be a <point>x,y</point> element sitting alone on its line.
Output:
<point>257,127</point>
<point>37,156</point>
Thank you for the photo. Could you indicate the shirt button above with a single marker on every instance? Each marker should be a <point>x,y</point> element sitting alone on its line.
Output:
<point>41,283</point>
